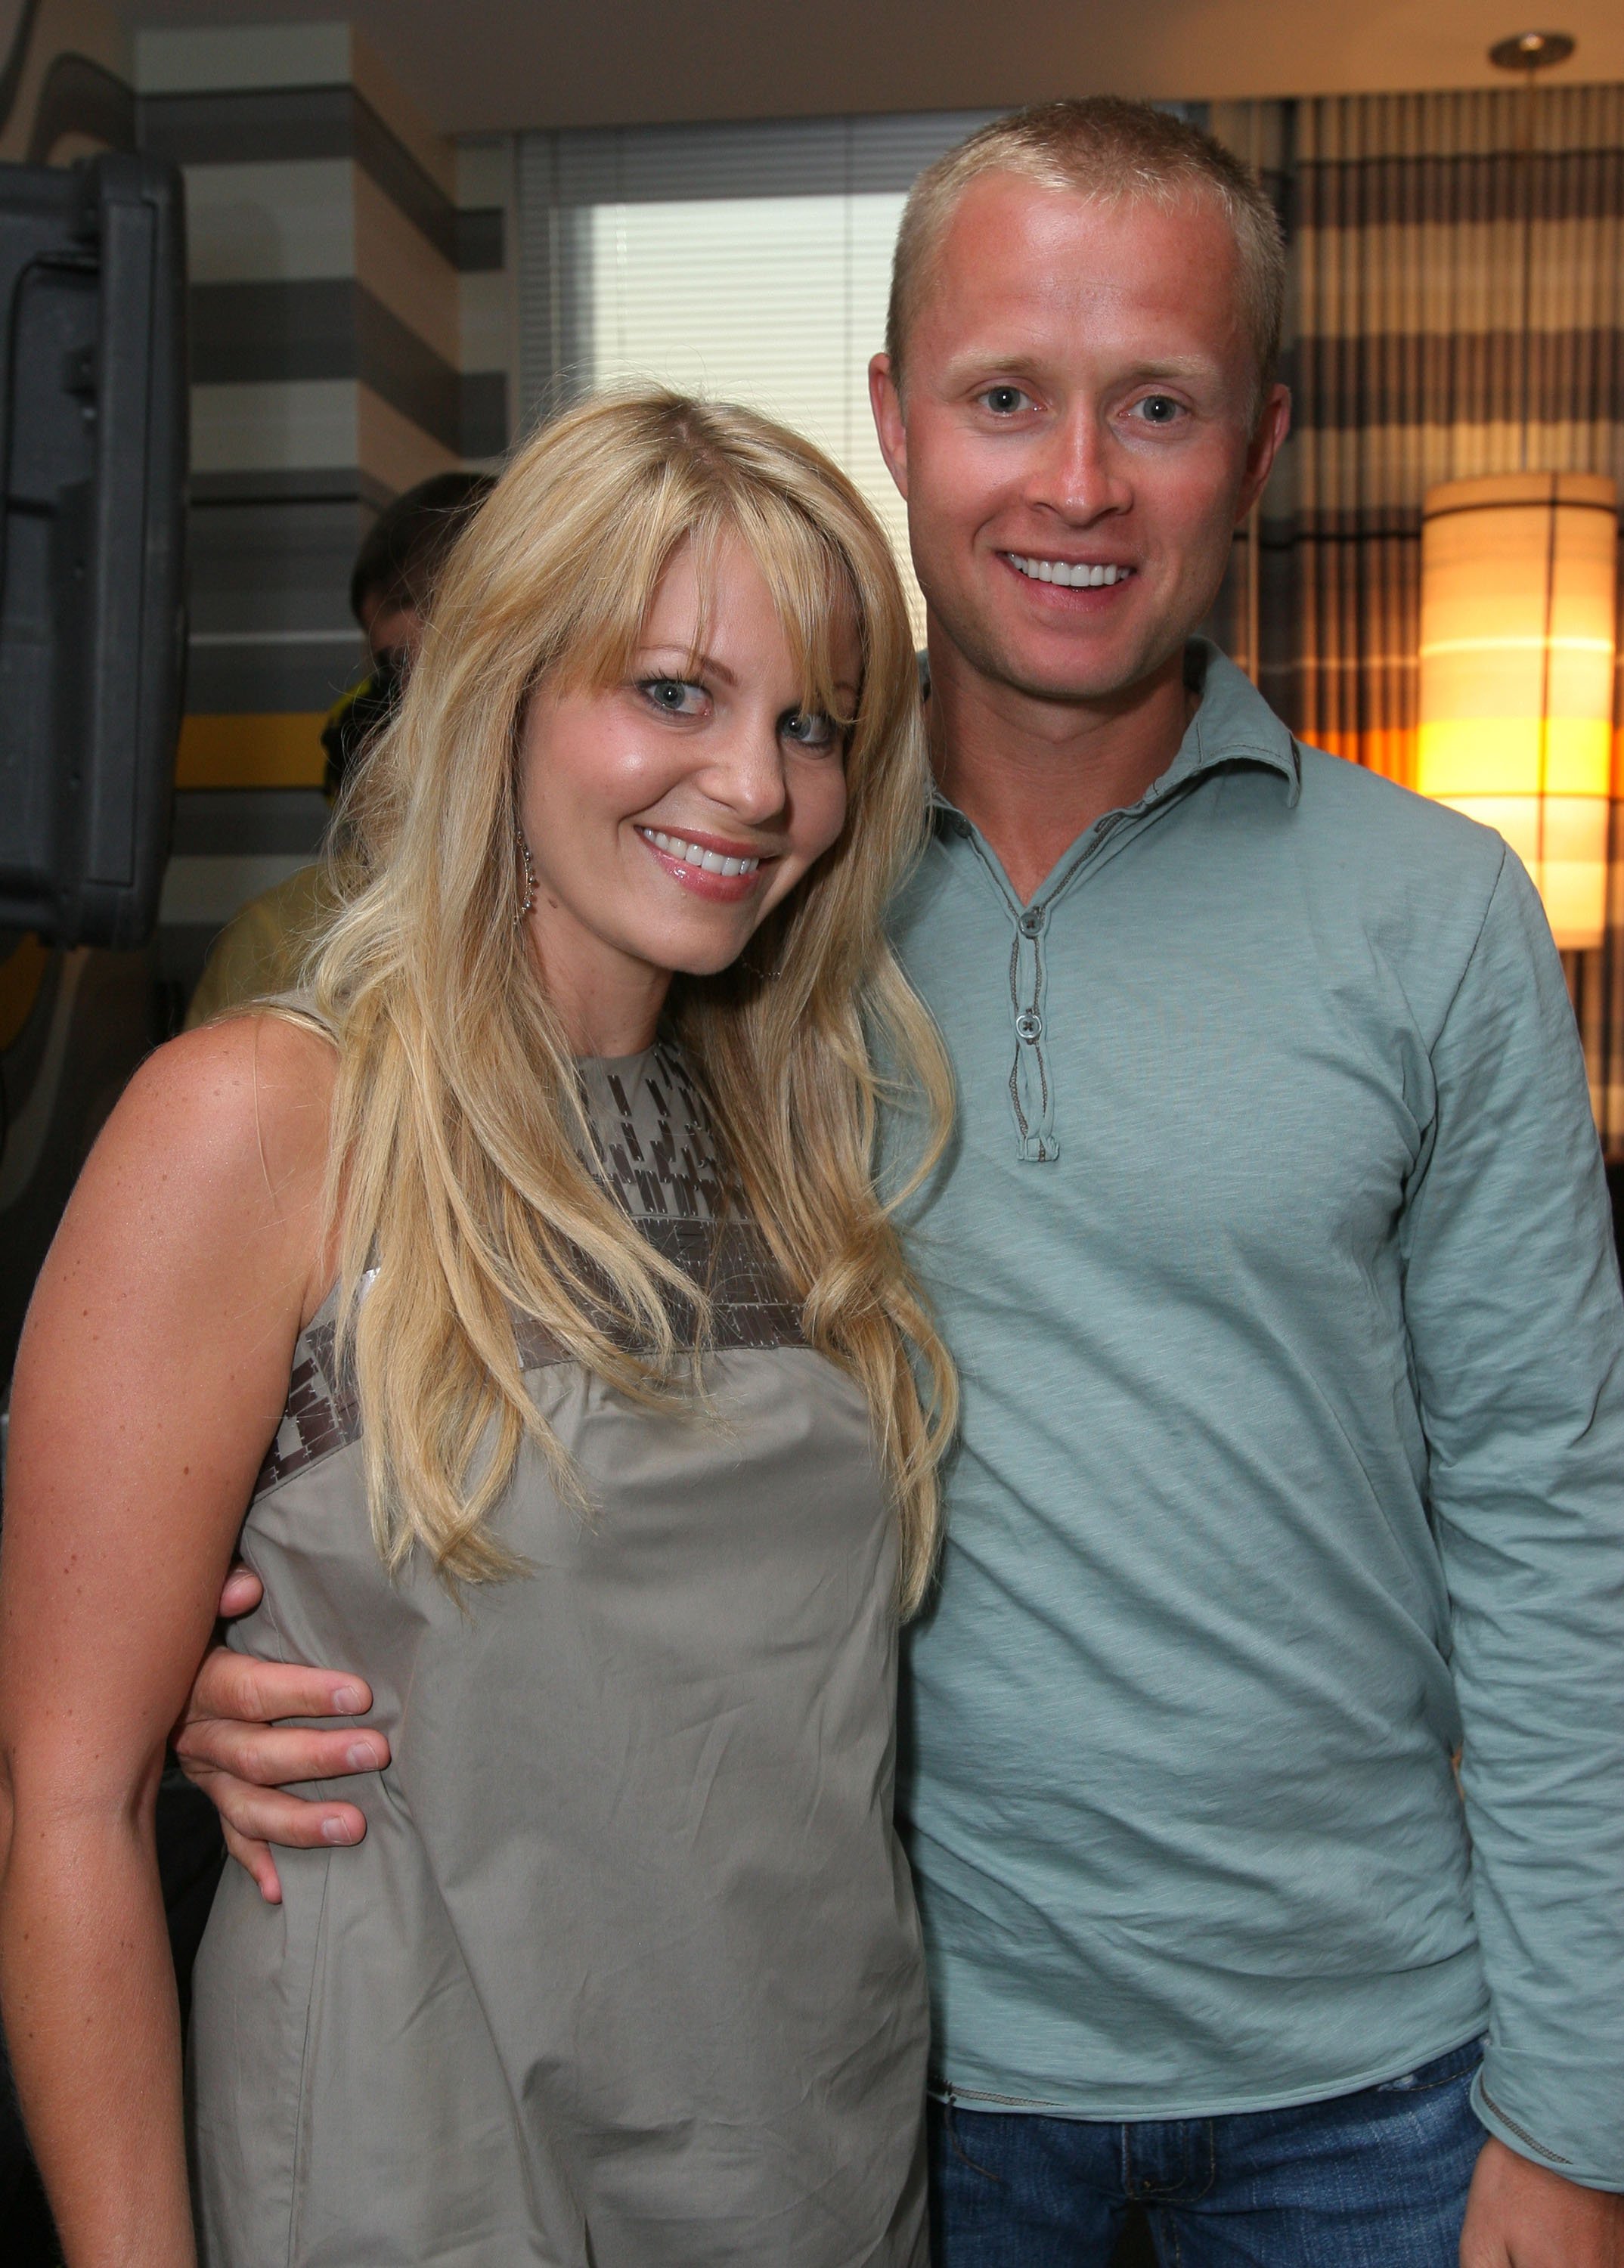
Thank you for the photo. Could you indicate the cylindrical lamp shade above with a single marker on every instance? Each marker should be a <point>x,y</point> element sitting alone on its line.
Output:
<point>1518,621</point>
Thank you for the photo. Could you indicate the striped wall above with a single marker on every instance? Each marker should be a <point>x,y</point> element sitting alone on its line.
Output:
<point>330,258</point>
<point>487,263</point>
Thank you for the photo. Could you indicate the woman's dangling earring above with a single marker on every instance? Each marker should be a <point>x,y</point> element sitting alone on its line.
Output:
<point>530,874</point>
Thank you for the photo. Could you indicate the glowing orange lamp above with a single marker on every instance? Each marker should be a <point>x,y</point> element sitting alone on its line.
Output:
<point>1518,616</point>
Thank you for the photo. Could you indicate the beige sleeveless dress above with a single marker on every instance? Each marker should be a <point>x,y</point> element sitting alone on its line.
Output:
<point>626,1973</point>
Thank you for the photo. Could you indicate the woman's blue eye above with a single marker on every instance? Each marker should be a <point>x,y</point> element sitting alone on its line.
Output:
<point>673,694</point>
<point>810,727</point>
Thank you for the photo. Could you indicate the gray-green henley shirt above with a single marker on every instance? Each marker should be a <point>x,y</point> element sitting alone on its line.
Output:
<point>1274,1248</point>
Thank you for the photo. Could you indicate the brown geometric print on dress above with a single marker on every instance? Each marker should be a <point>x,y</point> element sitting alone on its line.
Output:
<point>750,1305</point>
<point>321,1414</point>
<point>652,1136</point>
<point>656,1152</point>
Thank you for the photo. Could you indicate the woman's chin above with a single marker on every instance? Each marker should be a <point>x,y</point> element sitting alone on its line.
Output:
<point>698,948</point>
<point>709,964</point>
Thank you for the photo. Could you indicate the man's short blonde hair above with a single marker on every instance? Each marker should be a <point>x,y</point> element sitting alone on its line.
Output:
<point>1102,148</point>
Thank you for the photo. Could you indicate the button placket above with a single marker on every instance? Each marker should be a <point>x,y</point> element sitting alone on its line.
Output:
<point>1031,1088</point>
<point>1031,1093</point>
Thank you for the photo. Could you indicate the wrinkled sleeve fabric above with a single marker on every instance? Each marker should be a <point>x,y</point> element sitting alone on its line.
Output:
<point>1517,1330</point>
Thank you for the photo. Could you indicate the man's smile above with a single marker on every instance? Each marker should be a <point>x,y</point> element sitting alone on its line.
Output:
<point>1077,574</point>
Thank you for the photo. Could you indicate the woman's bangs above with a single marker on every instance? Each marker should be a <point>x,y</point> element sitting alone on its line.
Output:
<point>815,596</point>
<point>614,589</point>
<point>814,589</point>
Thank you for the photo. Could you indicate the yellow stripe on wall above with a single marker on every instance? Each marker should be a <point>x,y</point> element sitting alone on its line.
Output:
<point>271,750</point>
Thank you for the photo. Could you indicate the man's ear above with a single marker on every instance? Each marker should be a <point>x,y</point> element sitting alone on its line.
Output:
<point>1273,424</point>
<point>885,399</point>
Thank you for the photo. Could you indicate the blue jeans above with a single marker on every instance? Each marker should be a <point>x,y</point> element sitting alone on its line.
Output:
<point>1373,2180</point>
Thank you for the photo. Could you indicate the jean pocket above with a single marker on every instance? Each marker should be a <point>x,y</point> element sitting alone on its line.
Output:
<point>947,2140</point>
<point>1443,2071</point>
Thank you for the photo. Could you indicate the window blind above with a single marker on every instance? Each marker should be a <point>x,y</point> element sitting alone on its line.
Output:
<point>748,263</point>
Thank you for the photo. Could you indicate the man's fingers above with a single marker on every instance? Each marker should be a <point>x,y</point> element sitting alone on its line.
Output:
<point>257,1815</point>
<point>277,1755</point>
<point>256,1693</point>
<point>255,1858</point>
<point>240,1593</point>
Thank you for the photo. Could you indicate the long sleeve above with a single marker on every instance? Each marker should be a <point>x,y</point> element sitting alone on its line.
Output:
<point>1516,1329</point>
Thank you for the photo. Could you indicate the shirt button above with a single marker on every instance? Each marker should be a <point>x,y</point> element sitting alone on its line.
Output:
<point>1032,921</point>
<point>1029,1025</point>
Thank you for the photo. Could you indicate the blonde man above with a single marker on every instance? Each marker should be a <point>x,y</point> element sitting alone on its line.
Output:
<point>1275,1250</point>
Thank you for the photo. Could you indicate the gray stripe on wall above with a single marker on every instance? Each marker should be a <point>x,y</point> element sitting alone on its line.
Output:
<point>484,412</point>
<point>1487,186</point>
<point>481,247</point>
<point>402,179</point>
<point>270,621</point>
<point>411,378</point>
<point>274,564</point>
<point>1464,379</point>
<point>206,891</point>
<point>253,125</point>
<point>246,334</point>
<point>221,821</point>
<point>247,126</point>
<point>248,680</point>
<point>288,484</point>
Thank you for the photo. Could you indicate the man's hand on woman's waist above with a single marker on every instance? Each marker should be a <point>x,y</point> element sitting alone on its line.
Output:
<point>233,1745</point>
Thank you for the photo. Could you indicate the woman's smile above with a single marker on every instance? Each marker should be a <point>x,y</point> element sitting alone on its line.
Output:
<point>706,863</point>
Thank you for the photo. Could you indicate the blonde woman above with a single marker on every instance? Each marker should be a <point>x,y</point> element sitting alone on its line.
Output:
<point>525,1281</point>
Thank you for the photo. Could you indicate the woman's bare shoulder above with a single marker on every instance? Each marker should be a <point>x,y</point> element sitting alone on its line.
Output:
<point>225,1129</point>
<point>257,1085</point>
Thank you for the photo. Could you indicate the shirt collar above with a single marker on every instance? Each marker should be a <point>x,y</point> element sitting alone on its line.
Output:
<point>1233,724</point>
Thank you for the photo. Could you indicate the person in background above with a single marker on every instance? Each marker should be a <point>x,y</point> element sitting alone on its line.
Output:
<point>260,950</point>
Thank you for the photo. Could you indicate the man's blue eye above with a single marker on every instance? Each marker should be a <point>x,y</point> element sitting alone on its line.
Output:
<point>1159,409</point>
<point>1003,400</point>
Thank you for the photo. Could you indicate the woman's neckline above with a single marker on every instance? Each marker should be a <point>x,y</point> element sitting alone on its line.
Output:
<point>617,1066</point>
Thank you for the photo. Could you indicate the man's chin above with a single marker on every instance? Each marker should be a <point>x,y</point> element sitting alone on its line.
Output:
<point>1082,680</point>
<point>1081,668</point>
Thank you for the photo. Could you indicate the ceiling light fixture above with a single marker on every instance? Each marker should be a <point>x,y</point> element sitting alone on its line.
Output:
<point>1531,51</point>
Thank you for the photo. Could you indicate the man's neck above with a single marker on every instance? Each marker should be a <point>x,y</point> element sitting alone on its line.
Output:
<point>1034,774</point>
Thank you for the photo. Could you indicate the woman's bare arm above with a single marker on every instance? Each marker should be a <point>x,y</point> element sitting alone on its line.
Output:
<point>152,1371</point>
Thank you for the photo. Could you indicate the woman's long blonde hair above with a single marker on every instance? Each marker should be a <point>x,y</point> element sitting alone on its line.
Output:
<point>457,1183</point>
